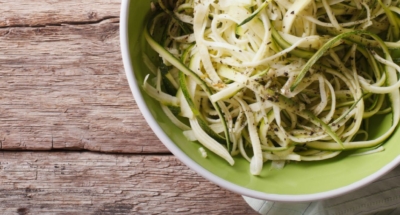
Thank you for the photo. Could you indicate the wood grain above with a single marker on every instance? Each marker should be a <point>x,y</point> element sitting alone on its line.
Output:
<point>92,183</point>
<point>63,86</point>
<point>56,12</point>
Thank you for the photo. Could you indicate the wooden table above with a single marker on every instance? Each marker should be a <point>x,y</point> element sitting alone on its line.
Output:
<point>73,140</point>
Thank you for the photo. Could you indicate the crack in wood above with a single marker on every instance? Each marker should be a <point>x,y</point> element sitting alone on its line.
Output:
<point>52,142</point>
<point>98,21</point>
<point>78,150</point>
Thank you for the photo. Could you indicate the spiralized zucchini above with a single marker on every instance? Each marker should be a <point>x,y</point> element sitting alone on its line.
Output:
<point>276,80</point>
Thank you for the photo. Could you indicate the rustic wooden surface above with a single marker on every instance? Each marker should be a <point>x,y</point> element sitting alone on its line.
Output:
<point>62,80</point>
<point>63,87</point>
<point>92,183</point>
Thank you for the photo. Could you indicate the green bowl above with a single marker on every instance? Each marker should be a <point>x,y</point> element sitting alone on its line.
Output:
<point>297,181</point>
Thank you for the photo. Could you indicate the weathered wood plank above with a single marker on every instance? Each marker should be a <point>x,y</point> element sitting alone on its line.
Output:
<point>92,183</point>
<point>65,87</point>
<point>52,12</point>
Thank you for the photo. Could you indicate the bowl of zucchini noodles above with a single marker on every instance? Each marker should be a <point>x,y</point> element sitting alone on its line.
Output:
<point>277,100</point>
